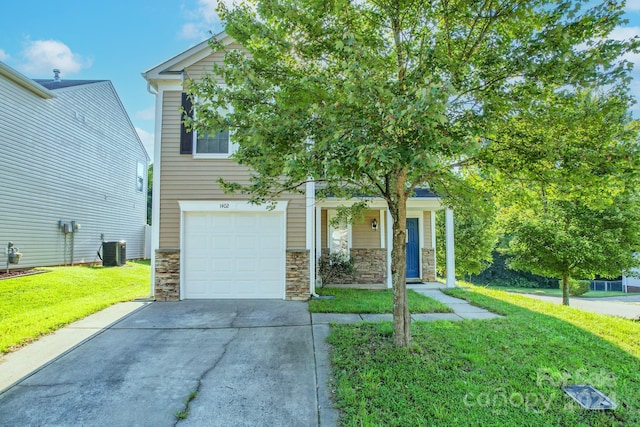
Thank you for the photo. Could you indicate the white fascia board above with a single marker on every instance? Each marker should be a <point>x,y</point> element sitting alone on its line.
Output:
<point>378,203</point>
<point>82,86</point>
<point>25,82</point>
<point>186,58</point>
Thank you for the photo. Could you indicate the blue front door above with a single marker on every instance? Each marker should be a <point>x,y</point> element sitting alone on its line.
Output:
<point>413,249</point>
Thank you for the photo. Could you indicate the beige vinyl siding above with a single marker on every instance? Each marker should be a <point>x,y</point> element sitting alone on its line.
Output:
<point>204,66</point>
<point>427,229</point>
<point>72,157</point>
<point>362,235</point>
<point>186,178</point>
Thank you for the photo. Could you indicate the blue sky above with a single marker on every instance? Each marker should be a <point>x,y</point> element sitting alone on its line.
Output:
<point>119,39</point>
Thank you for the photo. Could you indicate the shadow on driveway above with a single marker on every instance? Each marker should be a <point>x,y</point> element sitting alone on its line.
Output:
<point>251,362</point>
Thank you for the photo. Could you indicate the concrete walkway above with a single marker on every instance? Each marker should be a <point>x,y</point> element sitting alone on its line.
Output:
<point>461,310</point>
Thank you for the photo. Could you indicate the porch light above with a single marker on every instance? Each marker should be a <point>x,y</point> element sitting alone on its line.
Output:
<point>374,224</point>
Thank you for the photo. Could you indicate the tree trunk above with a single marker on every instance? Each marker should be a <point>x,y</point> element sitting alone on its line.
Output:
<point>565,289</point>
<point>401,317</point>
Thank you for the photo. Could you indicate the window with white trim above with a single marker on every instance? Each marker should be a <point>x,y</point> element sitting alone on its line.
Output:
<point>339,239</point>
<point>217,143</point>
<point>140,177</point>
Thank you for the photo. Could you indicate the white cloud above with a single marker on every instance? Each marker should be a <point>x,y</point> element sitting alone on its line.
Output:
<point>42,56</point>
<point>202,19</point>
<point>146,114</point>
<point>626,33</point>
<point>147,139</point>
<point>192,30</point>
<point>633,5</point>
<point>3,55</point>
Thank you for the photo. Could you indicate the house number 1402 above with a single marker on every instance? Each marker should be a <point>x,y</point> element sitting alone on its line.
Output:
<point>224,205</point>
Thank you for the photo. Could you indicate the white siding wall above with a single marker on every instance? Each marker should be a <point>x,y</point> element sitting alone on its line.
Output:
<point>73,157</point>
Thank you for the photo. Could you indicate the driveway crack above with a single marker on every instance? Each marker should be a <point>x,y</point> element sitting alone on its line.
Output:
<point>184,412</point>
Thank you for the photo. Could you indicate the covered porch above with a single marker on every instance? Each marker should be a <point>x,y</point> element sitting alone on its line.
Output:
<point>368,242</point>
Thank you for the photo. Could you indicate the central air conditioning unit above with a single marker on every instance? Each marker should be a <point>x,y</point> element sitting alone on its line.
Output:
<point>114,254</point>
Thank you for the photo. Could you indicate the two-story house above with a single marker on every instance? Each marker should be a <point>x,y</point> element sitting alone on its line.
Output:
<point>73,170</point>
<point>208,244</point>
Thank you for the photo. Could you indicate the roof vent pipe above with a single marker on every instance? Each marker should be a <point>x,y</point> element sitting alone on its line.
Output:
<point>56,75</point>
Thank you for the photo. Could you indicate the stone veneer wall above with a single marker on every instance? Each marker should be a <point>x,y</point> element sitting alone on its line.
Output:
<point>298,275</point>
<point>370,266</point>
<point>428,265</point>
<point>167,279</point>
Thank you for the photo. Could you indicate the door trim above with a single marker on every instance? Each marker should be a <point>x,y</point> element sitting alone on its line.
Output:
<point>418,249</point>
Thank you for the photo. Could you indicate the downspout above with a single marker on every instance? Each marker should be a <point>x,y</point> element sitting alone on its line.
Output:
<point>150,89</point>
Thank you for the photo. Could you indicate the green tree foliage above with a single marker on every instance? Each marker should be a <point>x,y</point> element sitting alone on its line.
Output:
<point>498,274</point>
<point>149,192</point>
<point>569,239</point>
<point>380,97</point>
<point>476,231</point>
<point>573,211</point>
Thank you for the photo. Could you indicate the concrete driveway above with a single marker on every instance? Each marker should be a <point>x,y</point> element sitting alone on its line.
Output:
<point>251,363</point>
<point>622,306</point>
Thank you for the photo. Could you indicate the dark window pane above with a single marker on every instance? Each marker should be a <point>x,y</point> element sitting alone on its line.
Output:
<point>214,143</point>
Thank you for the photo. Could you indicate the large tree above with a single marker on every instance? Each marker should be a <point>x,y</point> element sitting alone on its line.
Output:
<point>575,213</point>
<point>570,239</point>
<point>379,97</point>
<point>476,229</point>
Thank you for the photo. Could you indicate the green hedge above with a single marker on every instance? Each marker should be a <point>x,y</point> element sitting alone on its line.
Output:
<point>498,274</point>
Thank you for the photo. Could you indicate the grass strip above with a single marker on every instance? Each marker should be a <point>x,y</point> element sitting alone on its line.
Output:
<point>506,371</point>
<point>371,301</point>
<point>35,305</point>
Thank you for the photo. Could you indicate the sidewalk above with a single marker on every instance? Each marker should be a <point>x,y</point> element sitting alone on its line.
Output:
<point>461,310</point>
<point>20,363</point>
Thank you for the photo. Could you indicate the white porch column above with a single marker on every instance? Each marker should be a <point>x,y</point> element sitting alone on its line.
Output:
<point>311,233</point>
<point>451,262</point>
<point>389,229</point>
<point>317,252</point>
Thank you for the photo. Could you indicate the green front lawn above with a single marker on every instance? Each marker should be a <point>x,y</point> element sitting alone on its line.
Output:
<point>31,306</point>
<point>557,292</point>
<point>499,372</point>
<point>371,301</point>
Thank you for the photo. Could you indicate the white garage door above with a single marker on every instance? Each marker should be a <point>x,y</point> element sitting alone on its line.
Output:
<point>234,255</point>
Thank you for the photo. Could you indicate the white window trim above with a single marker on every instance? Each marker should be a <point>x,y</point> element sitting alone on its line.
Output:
<point>233,146</point>
<point>140,165</point>
<point>330,214</point>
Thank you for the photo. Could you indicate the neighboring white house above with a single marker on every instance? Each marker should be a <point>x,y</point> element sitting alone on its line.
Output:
<point>73,170</point>
<point>632,283</point>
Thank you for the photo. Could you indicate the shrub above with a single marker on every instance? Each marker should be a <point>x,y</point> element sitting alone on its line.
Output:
<point>336,268</point>
<point>577,287</point>
<point>498,274</point>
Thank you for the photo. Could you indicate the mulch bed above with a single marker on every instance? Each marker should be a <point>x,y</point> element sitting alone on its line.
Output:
<point>18,273</point>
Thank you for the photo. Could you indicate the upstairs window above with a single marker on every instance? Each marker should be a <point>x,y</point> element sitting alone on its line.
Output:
<point>213,143</point>
<point>140,177</point>
<point>203,145</point>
